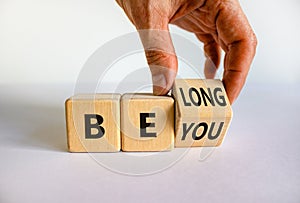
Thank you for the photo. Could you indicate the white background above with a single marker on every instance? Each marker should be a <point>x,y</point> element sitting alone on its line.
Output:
<point>49,41</point>
<point>43,46</point>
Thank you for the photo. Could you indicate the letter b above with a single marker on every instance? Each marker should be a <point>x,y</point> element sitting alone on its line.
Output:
<point>89,126</point>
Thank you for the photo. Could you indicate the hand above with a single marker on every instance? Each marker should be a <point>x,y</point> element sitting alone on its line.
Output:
<point>219,24</point>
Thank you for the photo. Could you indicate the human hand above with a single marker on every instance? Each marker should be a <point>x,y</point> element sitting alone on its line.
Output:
<point>219,24</point>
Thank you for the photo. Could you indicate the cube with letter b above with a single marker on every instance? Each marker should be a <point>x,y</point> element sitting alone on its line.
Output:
<point>147,122</point>
<point>203,112</point>
<point>93,123</point>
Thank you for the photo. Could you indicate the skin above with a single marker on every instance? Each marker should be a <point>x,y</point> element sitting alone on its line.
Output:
<point>219,24</point>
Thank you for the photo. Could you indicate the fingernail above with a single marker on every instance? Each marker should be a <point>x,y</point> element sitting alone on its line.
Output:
<point>160,86</point>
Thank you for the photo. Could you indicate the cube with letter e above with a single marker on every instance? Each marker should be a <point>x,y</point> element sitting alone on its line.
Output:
<point>147,122</point>
<point>203,112</point>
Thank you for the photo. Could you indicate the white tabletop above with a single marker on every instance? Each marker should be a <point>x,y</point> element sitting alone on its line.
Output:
<point>258,162</point>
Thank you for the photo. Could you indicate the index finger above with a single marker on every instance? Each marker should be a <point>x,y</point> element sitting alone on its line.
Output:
<point>240,43</point>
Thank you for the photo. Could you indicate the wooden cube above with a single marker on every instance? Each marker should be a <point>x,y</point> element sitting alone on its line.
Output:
<point>203,112</point>
<point>93,123</point>
<point>147,122</point>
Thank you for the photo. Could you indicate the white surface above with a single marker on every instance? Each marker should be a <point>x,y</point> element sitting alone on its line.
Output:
<point>258,162</point>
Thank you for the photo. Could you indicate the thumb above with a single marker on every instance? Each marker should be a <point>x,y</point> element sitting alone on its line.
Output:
<point>161,58</point>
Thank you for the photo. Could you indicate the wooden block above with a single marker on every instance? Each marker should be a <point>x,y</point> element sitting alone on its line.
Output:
<point>93,123</point>
<point>147,122</point>
<point>203,112</point>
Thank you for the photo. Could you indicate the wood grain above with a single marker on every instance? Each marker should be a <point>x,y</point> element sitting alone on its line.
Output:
<point>202,109</point>
<point>159,137</point>
<point>105,105</point>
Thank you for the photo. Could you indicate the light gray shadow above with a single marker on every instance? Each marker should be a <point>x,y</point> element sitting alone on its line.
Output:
<point>32,126</point>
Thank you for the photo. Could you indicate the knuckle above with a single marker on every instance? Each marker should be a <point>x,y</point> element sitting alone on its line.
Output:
<point>155,57</point>
<point>251,40</point>
<point>254,40</point>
